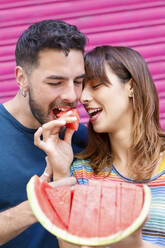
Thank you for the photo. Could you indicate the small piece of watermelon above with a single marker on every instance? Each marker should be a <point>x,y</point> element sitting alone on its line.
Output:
<point>90,215</point>
<point>74,125</point>
<point>45,210</point>
<point>63,197</point>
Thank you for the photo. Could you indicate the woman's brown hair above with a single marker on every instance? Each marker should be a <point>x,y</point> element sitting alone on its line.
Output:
<point>148,139</point>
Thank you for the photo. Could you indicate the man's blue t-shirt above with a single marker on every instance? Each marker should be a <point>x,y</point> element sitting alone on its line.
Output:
<point>20,159</point>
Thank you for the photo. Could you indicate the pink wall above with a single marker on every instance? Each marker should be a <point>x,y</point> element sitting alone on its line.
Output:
<point>139,24</point>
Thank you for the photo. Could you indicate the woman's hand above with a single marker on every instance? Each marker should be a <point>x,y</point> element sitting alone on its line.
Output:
<point>59,152</point>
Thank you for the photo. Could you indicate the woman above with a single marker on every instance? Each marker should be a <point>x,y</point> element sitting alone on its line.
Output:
<point>125,138</point>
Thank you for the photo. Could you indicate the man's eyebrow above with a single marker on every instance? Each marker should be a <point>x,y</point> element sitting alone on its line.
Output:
<point>55,77</point>
<point>81,76</point>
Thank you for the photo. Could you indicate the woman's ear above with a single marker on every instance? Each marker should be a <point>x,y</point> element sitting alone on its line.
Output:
<point>130,88</point>
<point>22,80</point>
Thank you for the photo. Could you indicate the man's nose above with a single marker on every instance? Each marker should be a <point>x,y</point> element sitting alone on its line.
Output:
<point>70,94</point>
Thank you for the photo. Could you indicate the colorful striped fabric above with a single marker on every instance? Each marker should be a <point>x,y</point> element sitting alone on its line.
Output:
<point>154,229</point>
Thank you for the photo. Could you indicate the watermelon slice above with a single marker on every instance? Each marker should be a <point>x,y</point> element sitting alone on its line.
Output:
<point>63,197</point>
<point>92,215</point>
<point>74,125</point>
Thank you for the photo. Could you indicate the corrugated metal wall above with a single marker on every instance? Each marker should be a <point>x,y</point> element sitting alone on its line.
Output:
<point>139,24</point>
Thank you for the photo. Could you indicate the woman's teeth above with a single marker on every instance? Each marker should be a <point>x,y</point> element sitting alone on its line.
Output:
<point>92,112</point>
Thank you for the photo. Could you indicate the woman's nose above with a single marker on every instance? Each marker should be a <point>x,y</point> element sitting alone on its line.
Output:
<point>85,97</point>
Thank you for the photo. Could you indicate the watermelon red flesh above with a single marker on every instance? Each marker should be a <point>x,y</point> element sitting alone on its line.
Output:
<point>118,202</point>
<point>45,204</point>
<point>83,215</point>
<point>98,206</point>
<point>63,197</point>
<point>91,212</point>
<point>74,125</point>
<point>131,208</point>
<point>108,200</point>
<point>76,217</point>
<point>97,213</point>
<point>128,210</point>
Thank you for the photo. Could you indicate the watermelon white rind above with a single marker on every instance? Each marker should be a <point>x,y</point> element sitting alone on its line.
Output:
<point>96,241</point>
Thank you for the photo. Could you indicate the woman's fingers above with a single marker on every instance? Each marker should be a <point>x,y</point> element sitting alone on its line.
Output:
<point>37,138</point>
<point>46,130</point>
<point>68,135</point>
<point>52,127</point>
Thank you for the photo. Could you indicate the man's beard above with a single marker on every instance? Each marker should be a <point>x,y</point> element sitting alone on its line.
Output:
<point>37,110</point>
<point>41,116</point>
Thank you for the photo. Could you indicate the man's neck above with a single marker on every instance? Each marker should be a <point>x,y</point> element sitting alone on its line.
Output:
<point>18,107</point>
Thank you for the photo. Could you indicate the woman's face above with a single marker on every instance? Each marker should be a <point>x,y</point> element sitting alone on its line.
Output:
<point>109,107</point>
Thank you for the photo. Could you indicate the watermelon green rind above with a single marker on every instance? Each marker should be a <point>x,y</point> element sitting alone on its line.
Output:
<point>100,241</point>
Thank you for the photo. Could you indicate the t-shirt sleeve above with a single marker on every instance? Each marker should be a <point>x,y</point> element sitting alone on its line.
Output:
<point>75,167</point>
<point>81,170</point>
<point>72,170</point>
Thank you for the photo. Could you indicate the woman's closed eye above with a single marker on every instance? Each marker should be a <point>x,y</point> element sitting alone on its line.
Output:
<point>96,85</point>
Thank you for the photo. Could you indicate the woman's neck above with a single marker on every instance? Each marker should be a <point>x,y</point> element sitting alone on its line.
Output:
<point>121,149</point>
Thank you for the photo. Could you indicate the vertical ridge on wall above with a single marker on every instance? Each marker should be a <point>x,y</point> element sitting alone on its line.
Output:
<point>139,24</point>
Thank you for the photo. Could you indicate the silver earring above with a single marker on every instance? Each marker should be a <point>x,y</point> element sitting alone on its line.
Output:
<point>131,94</point>
<point>23,93</point>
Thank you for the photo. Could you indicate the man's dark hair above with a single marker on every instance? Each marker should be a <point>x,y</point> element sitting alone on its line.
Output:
<point>49,34</point>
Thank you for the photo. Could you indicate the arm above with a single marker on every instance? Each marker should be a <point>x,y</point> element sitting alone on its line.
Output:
<point>134,243</point>
<point>149,245</point>
<point>63,244</point>
<point>17,219</point>
<point>135,240</point>
<point>14,221</point>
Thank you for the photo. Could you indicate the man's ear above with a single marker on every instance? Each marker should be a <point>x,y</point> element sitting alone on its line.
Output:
<point>22,80</point>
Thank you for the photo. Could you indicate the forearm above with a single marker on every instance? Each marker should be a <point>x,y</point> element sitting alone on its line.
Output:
<point>134,244</point>
<point>58,171</point>
<point>64,244</point>
<point>150,245</point>
<point>58,176</point>
<point>14,221</point>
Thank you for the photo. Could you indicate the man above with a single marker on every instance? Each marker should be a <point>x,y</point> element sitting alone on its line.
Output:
<point>49,73</point>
